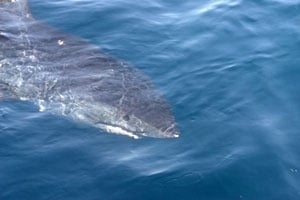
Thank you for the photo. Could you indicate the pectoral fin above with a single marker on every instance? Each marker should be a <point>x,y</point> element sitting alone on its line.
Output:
<point>5,92</point>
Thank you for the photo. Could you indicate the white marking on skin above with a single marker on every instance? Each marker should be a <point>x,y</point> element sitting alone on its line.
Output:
<point>118,130</point>
<point>42,106</point>
<point>61,97</point>
<point>4,62</point>
<point>33,58</point>
<point>172,126</point>
<point>60,42</point>
<point>80,116</point>
<point>19,82</point>
<point>24,99</point>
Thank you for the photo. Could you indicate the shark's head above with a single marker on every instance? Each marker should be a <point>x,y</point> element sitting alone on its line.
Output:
<point>145,112</point>
<point>134,117</point>
<point>124,101</point>
<point>152,119</point>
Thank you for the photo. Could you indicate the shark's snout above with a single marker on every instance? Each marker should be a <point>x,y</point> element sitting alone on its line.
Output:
<point>170,132</point>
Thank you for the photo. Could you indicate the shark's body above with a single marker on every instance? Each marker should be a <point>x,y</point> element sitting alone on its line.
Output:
<point>65,75</point>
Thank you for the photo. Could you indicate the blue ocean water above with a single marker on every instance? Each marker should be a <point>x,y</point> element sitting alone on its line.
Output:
<point>230,69</point>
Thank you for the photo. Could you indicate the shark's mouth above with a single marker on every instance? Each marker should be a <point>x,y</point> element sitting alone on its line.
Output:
<point>118,130</point>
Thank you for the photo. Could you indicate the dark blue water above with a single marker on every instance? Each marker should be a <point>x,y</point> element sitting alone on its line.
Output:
<point>230,69</point>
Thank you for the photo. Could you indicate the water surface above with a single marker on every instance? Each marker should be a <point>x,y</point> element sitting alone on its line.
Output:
<point>230,69</point>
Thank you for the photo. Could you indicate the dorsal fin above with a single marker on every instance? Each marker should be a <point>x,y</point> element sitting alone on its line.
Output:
<point>20,6</point>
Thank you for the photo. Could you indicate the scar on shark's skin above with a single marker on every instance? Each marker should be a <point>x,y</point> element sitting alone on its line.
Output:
<point>65,75</point>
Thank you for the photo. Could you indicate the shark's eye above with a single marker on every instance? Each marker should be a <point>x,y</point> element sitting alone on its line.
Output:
<point>126,117</point>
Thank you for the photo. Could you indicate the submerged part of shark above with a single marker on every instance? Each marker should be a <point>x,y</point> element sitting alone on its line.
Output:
<point>66,75</point>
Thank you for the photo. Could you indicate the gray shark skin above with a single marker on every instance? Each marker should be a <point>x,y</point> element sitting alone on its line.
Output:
<point>66,75</point>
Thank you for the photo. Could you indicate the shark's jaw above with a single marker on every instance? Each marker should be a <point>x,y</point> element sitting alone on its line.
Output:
<point>117,130</point>
<point>120,131</point>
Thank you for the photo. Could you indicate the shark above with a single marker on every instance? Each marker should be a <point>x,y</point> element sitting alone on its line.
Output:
<point>66,75</point>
